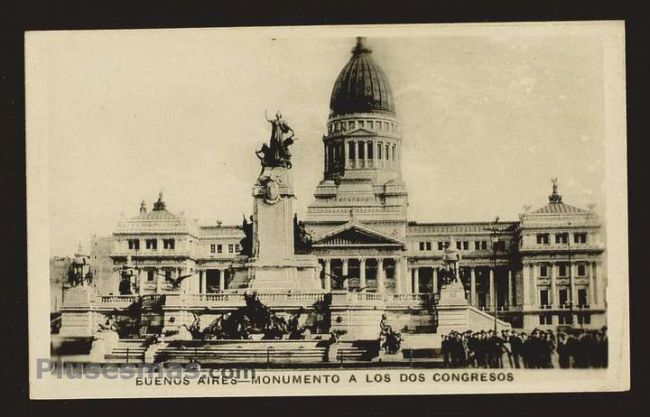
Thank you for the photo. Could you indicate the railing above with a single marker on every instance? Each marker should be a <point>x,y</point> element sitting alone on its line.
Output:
<point>237,299</point>
<point>411,299</point>
<point>116,301</point>
<point>365,297</point>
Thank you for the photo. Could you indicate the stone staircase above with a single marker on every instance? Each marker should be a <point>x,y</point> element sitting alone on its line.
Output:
<point>128,351</point>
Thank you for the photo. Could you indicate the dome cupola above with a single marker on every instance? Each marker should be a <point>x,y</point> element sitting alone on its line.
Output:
<point>362,86</point>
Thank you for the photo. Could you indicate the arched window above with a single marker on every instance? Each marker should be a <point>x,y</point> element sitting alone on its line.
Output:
<point>393,155</point>
<point>379,146</point>
<point>387,151</point>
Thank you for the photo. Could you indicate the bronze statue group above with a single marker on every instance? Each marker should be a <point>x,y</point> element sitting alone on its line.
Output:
<point>537,349</point>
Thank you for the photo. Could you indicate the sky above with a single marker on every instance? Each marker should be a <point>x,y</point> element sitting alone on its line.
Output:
<point>486,120</point>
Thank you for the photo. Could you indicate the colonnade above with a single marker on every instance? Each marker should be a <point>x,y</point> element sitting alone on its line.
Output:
<point>534,282</point>
<point>399,274</point>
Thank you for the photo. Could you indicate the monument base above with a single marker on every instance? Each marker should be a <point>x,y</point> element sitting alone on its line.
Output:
<point>299,273</point>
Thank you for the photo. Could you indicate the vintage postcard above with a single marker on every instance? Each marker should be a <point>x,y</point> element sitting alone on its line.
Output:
<point>349,210</point>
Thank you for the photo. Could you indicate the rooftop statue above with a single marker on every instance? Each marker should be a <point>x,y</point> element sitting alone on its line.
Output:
<point>277,153</point>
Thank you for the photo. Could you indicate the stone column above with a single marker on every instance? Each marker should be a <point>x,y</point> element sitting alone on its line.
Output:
<point>328,278</point>
<point>222,279</point>
<point>362,273</point>
<point>572,282</point>
<point>435,280</point>
<point>592,284</point>
<point>553,286</point>
<point>398,276</point>
<point>201,284</point>
<point>472,286</point>
<point>380,275</point>
<point>525,272</point>
<point>365,153</point>
<point>493,300</point>
<point>511,295</point>
<point>416,279</point>
<point>344,272</point>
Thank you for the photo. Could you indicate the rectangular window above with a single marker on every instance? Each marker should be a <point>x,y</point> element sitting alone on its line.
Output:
<point>151,244</point>
<point>387,151</point>
<point>563,270</point>
<point>562,238</point>
<point>213,248</point>
<point>582,297</point>
<point>379,146</point>
<point>543,271</point>
<point>465,245</point>
<point>231,248</point>
<point>370,149</point>
<point>542,238</point>
<point>168,275</point>
<point>582,270</point>
<point>352,149</point>
<point>237,248</point>
<point>566,318</point>
<point>421,246</point>
<point>361,123</point>
<point>351,125</point>
<point>219,248</point>
<point>564,296</point>
<point>392,156</point>
<point>151,275</point>
<point>168,243</point>
<point>371,124</point>
<point>580,237</point>
<point>477,245</point>
<point>134,244</point>
<point>545,319</point>
<point>543,297</point>
<point>385,125</point>
<point>362,150</point>
<point>458,245</point>
<point>428,245</point>
<point>441,245</point>
<point>584,318</point>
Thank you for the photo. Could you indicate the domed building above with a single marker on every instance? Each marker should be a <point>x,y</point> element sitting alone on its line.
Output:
<point>543,270</point>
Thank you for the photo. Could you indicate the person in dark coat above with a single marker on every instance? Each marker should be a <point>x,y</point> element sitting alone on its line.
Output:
<point>563,350</point>
<point>515,348</point>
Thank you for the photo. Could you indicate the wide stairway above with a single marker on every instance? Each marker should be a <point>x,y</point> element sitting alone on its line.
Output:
<point>269,352</point>
<point>243,351</point>
<point>128,351</point>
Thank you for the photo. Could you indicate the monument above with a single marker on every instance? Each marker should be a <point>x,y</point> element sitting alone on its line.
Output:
<point>273,249</point>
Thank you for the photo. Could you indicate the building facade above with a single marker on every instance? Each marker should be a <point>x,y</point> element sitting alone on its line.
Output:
<point>544,270</point>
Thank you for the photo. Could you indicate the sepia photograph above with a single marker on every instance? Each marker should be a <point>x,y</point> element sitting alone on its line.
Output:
<point>381,209</point>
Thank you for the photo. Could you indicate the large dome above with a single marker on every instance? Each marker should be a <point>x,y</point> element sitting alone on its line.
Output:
<point>362,86</point>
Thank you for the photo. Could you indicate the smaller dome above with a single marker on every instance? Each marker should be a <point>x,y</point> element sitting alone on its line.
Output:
<point>362,86</point>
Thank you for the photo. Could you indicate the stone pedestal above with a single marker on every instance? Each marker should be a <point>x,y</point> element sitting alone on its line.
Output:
<point>452,308</point>
<point>358,315</point>
<point>78,318</point>
<point>274,264</point>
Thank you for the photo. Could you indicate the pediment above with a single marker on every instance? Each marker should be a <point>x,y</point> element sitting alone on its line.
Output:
<point>353,235</point>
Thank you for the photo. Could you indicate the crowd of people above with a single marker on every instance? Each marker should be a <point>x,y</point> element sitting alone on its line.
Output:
<point>537,349</point>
